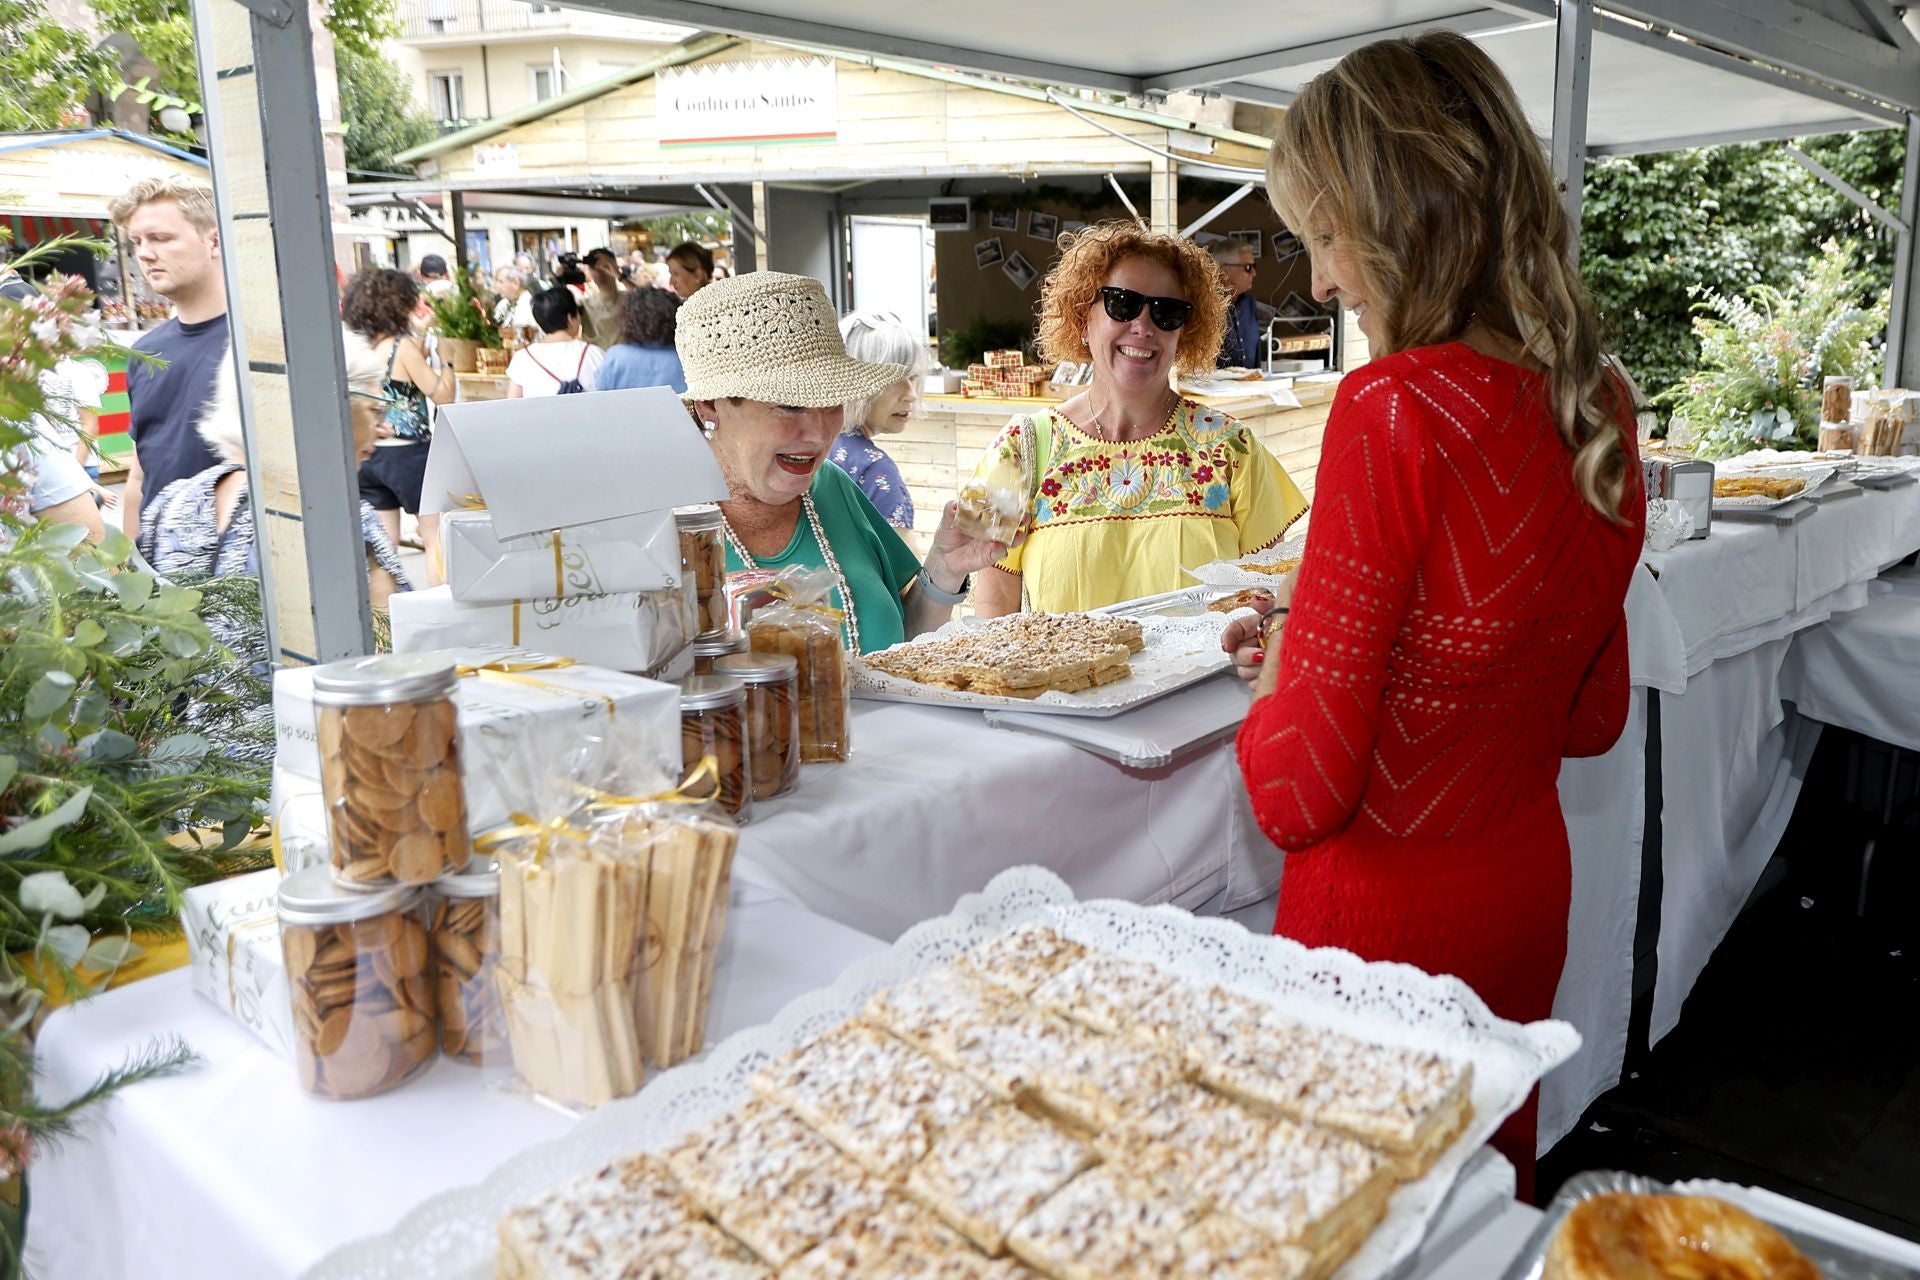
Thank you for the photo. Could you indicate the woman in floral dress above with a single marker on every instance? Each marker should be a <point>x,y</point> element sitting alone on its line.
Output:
<point>1129,483</point>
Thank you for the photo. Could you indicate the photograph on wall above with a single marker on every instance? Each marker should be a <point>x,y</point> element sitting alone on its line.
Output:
<point>950,214</point>
<point>1251,239</point>
<point>988,253</point>
<point>1072,228</point>
<point>1019,270</point>
<point>1043,226</point>
<point>1003,219</point>
<point>1208,239</point>
<point>1286,245</point>
<point>1066,373</point>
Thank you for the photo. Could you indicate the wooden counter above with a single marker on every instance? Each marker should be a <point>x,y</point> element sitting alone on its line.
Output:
<point>481,386</point>
<point>945,441</point>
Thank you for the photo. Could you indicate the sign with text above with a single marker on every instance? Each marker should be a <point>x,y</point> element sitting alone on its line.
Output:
<point>760,103</point>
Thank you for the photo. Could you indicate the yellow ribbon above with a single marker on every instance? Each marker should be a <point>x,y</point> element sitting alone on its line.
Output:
<point>524,826</point>
<point>782,592</point>
<point>514,671</point>
<point>273,829</point>
<point>559,570</point>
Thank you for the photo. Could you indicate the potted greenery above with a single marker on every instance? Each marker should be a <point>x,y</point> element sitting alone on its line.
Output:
<point>112,695</point>
<point>460,318</point>
<point>1763,358</point>
<point>970,343</point>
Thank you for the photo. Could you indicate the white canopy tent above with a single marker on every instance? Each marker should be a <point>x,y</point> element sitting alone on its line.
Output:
<point>1619,77</point>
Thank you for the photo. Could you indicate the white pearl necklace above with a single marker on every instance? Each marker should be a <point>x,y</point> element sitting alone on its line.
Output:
<point>826,553</point>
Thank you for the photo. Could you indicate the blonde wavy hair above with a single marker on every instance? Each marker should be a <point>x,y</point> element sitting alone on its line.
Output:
<point>1088,258</point>
<point>195,200</point>
<point>1415,154</point>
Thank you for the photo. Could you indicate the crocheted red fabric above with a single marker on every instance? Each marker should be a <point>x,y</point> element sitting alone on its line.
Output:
<point>1457,628</point>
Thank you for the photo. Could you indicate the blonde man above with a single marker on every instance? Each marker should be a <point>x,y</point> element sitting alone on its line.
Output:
<point>169,223</point>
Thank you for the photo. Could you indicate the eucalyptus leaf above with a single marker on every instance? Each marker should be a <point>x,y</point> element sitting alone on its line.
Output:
<point>94,898</point>
<point>110,953</point>
<point>134,588</point>
<point>115,547</point>
<point>181,643</point>
<point>88,633</point>
<point>90,711</point>
<point>181,746</point>
<point>68,941</point>
<point>51,893</point>
<point>48,694</point>
<point>233,831</point>
<point>8,767</point>
<point>108,746</point>
<point>35,832</point>
<point>63,536</point>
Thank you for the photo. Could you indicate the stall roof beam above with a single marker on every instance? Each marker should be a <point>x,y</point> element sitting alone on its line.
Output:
<point>1688,141</point>
<point>1466,23</point>
<point>1785,34</point>
<point>747,22</point>
<point>1867,203</point>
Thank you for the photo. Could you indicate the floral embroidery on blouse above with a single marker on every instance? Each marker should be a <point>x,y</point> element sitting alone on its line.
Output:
<point>1184,470</point>
<point>877,474</point>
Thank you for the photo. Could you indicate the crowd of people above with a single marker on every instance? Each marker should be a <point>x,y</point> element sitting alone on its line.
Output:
<point>1459,610</point>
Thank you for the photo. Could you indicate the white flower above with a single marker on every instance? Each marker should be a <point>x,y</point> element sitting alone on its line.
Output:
<point>46,330</point>
<point>48,891</point>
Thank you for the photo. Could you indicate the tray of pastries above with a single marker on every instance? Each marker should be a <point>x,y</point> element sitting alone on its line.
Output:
<point>1027,1087</point>
<point>1037,1108</point>
<point>1062,664</point>
<point>1269,568</point>
<point>1604,1225</point>
<point>1762,488</point>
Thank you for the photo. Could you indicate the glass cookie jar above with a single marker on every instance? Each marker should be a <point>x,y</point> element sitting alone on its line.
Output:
<point>704,554</point>
<point>358,973</point>
<point>463,918</point>
<point>713,722</point>
<point>390,768</point>
<point>773,718</point>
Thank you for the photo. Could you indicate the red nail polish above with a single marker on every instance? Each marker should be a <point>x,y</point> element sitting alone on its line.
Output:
<point>1259,655</point>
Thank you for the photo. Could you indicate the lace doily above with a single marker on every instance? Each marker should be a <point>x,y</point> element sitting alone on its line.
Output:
<point>1178,652</point>
<point>451,1236</point>
<point>1235,574</point>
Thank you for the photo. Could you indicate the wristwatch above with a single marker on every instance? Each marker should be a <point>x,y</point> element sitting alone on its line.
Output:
<point>938,596</point>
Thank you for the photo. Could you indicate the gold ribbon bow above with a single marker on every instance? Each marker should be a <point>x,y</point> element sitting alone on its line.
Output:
<point>524,826</point>
<point>782,592</point>
<point>514,671</point>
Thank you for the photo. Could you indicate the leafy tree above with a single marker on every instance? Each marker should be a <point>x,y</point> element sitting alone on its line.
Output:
<point>1657,228</point>
<point>377,106</point>
<point>47,69</point>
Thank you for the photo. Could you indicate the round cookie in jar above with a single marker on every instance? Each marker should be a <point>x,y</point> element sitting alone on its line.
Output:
<point>713,723</point>
<point>390,768</point>
<point>773,718</point>
<point>463,922</point>
<point>703,553</point>
<point>359,977</point>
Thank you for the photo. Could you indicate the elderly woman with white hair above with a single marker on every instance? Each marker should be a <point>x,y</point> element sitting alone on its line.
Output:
<point>202,526</point>
<point>879,337</point>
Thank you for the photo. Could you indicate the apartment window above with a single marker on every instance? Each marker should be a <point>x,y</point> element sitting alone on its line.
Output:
<point>447,95</point>
<point>543,82</point>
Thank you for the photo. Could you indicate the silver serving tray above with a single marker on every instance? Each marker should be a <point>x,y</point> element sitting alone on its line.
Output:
<point>1835,1260</point>
<point>1187,602</point>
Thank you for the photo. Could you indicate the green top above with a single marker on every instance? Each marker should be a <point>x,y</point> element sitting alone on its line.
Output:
<point>876,561</point>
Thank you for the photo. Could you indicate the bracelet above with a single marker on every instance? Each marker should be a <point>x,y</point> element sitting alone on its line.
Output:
<point>938,596</point>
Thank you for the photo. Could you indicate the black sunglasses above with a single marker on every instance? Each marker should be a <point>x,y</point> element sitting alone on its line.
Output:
<point>1124,304</point>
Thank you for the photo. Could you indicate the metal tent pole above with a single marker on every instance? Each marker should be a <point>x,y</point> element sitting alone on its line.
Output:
<point>276,248</point>
<point>1571,68</point>
<point>1903,338</point>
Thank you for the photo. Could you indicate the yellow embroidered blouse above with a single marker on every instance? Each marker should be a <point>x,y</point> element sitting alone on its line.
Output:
<point>1111,522</point>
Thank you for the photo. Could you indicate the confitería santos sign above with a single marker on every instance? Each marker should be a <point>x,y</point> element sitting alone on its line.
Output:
<point>760,103</point>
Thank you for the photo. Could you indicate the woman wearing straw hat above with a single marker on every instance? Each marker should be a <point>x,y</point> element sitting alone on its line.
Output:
<point>768,375</point>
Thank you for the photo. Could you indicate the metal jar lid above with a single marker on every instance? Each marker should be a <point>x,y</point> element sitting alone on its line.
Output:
<point>758,668</point>
<point>713,644</point>
<point>314,897</point>
<point>704,693</point>
<point>698,518</point>
<point>481,879</point>
<point>384,678</point>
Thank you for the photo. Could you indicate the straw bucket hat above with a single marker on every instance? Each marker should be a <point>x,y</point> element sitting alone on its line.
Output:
<point>775,338</point>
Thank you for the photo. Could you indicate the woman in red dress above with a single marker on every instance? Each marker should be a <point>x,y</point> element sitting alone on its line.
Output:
<point>1457,626</point>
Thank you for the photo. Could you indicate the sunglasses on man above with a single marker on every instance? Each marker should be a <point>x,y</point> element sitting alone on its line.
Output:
<point>1123,305</point>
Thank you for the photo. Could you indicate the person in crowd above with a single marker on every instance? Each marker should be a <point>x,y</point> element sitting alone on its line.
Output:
<point>169,224</point>
<point>879,337</point>
<point>560,362</point>
<point>689,268</point>
<point>14,287</point>
<point>1458,624</point>
<point>568,275</point>
<point>644,356</point>
<point>514,305</point>
<point>767,375</point>
<point>530,278</point>
<point>203,525</point>
<point>434,280</point>
<point>1240,349</point>
<point>1127,483</point>
<point>600,308</point>
<point>379,306</point>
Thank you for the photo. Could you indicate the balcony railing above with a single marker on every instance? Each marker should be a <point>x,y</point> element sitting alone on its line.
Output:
<point>430,19</point>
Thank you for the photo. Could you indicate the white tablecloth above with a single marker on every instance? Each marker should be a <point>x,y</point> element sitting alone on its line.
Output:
<point>229,1170</point>
<point>1861,670</point>
<point>934,803</point>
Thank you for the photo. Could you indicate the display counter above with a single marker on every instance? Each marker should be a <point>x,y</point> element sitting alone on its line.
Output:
<point>945,441</point>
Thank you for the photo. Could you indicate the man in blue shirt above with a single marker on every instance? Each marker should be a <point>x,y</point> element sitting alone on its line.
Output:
<point>169,222</point>
<point>1241,347</point>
